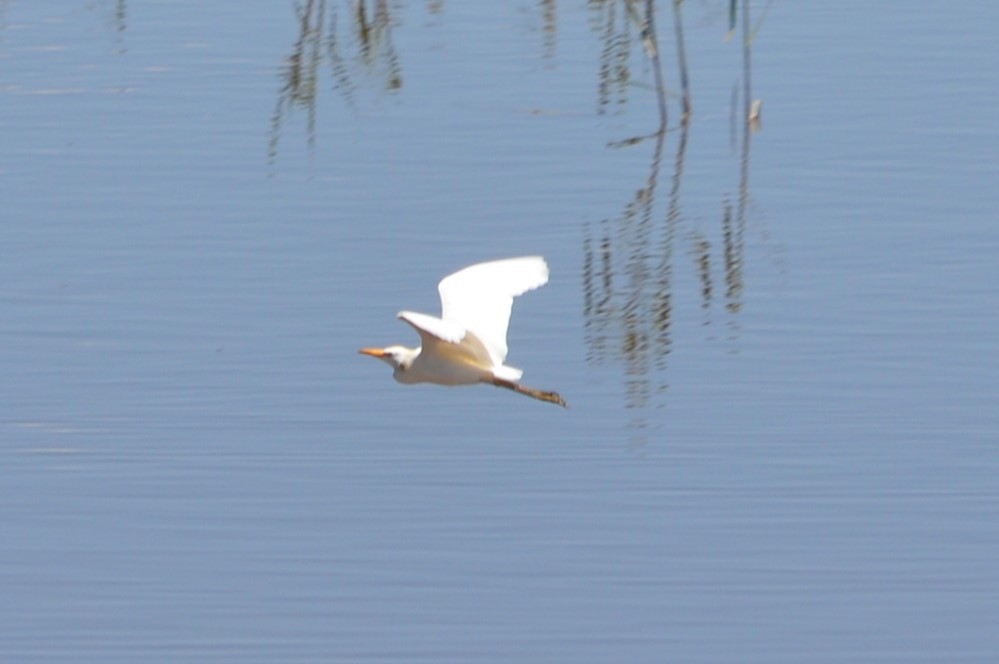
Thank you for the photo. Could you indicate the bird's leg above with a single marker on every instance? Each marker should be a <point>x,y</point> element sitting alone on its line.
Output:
<point>541,395</point>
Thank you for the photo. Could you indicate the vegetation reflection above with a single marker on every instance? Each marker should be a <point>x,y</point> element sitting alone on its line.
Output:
<point>362,50</point>
<point>629,261</point>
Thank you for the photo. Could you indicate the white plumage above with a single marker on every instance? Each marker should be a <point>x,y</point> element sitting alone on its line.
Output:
<point>467,344</point>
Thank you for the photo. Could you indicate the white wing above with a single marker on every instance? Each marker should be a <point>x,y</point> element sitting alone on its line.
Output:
<point>446,339</point>
<point>480,297</point>
<point>437,329</point>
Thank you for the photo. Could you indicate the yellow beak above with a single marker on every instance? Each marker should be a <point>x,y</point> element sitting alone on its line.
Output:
<point>373,352</point>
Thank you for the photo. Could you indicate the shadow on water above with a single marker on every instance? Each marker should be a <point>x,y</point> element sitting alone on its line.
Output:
<point>629,261</point>
<point>355,45</point>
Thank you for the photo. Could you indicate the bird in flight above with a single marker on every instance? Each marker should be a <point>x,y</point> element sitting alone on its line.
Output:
<point>467,344</point>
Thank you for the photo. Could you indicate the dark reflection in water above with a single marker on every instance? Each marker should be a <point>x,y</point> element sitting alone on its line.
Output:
<point>549,28</point>
<point>113,16</point>
<point>356,48</point>
<point>119,23</point>
<point>627,282</point>
<point>621,25</point>
<point>300,73</point>
<point>733,231</point>
<point>614,23</point>
<point>120,14</point>
<point>628,262</point>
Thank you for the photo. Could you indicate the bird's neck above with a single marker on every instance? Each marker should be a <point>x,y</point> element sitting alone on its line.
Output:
<point>411,355</point>
<point>401,372</point>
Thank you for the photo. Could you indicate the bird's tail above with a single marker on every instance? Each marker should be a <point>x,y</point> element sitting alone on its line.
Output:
<point>507,373</point>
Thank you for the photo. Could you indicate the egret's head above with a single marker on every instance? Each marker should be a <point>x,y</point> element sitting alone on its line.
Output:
<point>399,357</point>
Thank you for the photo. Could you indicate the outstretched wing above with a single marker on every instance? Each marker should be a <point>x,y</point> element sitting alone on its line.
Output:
<point>480,297</point>
<point>433,329</point>
<point>445,338</point>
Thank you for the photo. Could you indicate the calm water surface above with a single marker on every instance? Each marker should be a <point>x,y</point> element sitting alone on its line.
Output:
<point>779,352</point>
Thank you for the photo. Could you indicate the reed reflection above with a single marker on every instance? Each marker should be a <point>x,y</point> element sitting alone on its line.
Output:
<point>120,15</point>
<point>622,24</point>
<point>114,16</point>
<point>628,282</point>
<point>549,27</point>
<point>629,262</point>
<point>355,43</point>
<point>733,229</point>
<point>615,22</point>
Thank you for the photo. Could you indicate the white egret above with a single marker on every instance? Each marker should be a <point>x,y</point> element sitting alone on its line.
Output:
<point>467,344</point>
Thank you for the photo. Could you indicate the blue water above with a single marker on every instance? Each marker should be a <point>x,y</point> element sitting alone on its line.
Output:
<point>779,354</point>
